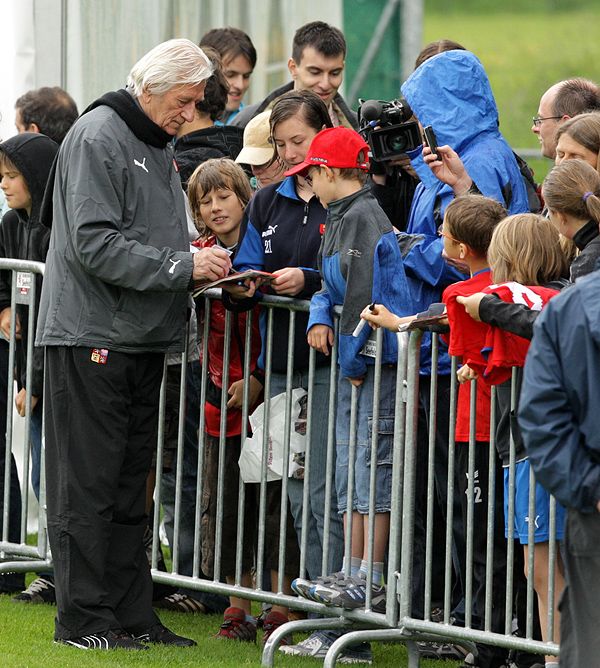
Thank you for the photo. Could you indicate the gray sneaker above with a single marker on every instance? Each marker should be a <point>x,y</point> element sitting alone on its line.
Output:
<point>318,643</point>
<point>351,593</point>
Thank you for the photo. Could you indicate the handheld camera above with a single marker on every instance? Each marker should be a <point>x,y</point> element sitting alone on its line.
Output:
<point>387,128</point>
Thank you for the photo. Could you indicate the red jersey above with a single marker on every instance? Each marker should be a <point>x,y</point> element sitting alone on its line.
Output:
<point>504,350</point>
<point>466,340</point>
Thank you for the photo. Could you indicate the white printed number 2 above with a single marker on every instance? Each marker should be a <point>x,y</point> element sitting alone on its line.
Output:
<point>268,246</point>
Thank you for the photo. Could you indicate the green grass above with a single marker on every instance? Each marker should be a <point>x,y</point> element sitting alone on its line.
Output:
<point>26,642</point>
<point>525,47</point>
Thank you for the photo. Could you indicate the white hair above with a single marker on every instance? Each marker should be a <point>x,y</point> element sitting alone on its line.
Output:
<point>177,62</point>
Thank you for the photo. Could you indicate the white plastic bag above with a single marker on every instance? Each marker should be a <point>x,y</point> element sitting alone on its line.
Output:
<point>250,461</point>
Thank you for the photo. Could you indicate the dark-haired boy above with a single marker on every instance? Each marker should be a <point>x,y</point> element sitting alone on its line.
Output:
<point>238,57</point>
<point>469,222</point>
<point>317,64</point>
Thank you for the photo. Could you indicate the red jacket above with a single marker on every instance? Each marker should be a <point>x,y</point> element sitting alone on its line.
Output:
<point>216,343</point>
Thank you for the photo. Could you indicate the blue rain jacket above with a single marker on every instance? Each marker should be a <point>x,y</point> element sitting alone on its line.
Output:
<point>452,93</point>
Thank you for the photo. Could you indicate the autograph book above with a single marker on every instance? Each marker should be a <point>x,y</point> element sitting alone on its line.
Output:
<point>237,279</point>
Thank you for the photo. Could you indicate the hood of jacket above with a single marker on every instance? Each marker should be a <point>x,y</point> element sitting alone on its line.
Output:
<point>32,154</point>
<point>452,93</point>
<point>196,147</point>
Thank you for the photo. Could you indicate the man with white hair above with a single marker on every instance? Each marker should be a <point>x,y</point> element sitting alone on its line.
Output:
<point>114,301</point>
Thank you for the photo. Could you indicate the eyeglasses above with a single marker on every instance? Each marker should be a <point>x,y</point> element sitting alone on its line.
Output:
<point>442,233</point>
<point>538,120</point>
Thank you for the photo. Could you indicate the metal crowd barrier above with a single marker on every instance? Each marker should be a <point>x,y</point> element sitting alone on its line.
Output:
<point>398,624</point>
<point>17,555</point>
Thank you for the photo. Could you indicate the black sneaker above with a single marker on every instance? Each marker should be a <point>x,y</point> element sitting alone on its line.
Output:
<point>41,590</point>
<point>104,641</point>
<point>161,635</point>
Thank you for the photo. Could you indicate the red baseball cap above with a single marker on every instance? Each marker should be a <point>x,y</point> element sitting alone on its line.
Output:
<point>334,147</point>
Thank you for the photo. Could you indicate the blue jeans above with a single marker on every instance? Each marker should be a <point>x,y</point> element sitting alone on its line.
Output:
<point>364,430</point>
<point>318,463</point>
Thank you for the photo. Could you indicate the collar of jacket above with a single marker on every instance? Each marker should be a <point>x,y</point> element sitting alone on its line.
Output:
<point>287,188</point>
<point>588,232</point>
<point>339,207</point>
<point>142,126</point>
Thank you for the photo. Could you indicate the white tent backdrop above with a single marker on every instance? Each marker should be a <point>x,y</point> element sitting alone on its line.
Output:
<point>88,46</point>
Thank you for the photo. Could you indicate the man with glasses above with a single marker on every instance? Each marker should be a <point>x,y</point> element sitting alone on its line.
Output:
<point>560,102</point>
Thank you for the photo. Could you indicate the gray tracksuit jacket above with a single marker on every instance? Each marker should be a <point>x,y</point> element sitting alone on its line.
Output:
<point>119,267</point>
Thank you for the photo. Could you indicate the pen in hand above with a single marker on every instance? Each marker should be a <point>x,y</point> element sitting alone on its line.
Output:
<point>358,329</point>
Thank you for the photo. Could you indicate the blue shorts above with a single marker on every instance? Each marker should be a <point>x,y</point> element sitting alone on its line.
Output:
<point>364,430</point>
<point>542,508</point>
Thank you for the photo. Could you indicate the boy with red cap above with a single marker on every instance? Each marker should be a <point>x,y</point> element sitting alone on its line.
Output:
<point>360,263</point>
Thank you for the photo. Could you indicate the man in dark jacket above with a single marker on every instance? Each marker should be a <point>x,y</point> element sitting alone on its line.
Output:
<point>114,301</point>
<point>560,423</point>
<point>317,64</point>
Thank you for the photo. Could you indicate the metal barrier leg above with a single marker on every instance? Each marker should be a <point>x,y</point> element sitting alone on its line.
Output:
<point>414,658</point>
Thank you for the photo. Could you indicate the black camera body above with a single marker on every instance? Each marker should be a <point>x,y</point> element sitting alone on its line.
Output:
<point>387,128</point>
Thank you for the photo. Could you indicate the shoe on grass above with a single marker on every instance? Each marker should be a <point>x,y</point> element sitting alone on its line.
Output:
<point>180,603</point>
<point>41,590</point>
<point>104,641</point>
<point>235,626</point>
<point>161,635</point>
<point>318,643</point>
<point>272,622</point>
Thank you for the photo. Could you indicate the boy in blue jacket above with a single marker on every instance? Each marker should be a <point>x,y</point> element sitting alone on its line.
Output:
<point>360,263</point>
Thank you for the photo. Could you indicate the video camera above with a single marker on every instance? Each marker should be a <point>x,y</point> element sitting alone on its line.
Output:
<point>387,128</point>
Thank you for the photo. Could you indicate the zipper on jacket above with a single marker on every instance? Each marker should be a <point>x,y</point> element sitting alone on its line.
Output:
<point>305,213</point>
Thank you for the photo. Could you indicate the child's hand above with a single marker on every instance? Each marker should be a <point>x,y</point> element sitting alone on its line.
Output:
<point>244,291</point>
<point>320,337</point>
<point>20,402</point>
<point>471,304</point>
<point>380,316</point>
<point>465,374</point>
<point>448,168</point>
<point>357,382</point>
<point>289,281</point>
<point>5,324</point>
<point>236,392</point>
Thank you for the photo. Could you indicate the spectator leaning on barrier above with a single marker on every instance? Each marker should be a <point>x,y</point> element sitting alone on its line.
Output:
<point>317,64</point>
<point>50,111</point>
<point>114,301</point>
<point>25,163</point>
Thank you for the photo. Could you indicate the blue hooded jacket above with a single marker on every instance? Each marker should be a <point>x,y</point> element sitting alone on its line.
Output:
<point>452,93</point>
<point>558,407</point>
